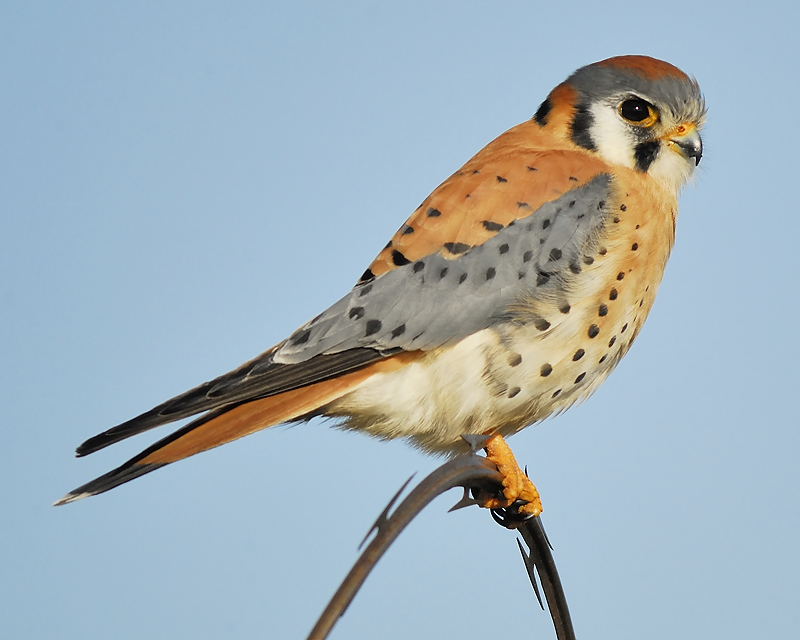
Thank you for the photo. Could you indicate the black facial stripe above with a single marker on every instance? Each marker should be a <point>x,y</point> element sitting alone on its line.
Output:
<point>543,111</point>
<point>581,124</point>
<point>645,154</point>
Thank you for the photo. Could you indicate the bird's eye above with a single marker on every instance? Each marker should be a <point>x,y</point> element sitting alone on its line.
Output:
<point>638,111</point>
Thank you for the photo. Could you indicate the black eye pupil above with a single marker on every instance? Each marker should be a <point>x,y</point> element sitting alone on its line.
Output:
<point>635,110</point>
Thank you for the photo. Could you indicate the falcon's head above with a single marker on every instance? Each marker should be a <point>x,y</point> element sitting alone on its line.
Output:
<point>635,111</point>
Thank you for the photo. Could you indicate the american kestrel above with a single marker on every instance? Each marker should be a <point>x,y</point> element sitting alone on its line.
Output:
<point>508,295</point>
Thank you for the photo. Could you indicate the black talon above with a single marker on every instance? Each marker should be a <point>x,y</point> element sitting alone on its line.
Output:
<point>510,517</point>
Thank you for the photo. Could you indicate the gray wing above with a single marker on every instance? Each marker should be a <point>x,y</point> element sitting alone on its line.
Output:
<point>438,301</point>
<point>430,303</point>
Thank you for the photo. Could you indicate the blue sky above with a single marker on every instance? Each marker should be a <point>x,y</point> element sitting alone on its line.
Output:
<point>183,184</point>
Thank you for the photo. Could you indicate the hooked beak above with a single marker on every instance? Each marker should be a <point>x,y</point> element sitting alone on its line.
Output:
<point>686,140</point>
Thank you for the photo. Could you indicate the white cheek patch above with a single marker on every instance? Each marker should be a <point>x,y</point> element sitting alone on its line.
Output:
<point>611,136</point>
<point>672,168</point>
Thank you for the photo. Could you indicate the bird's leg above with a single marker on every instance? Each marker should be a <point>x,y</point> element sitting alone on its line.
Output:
<point>516,485</point>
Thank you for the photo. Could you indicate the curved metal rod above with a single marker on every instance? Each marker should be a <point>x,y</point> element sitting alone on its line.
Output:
<point>473,473</point>
<point>464,471</point>
<point>539,557</point>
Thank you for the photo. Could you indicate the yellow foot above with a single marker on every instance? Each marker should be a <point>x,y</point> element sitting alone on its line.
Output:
<point>516,485</point>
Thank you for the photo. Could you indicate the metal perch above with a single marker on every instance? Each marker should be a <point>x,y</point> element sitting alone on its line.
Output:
<point>474,474</point>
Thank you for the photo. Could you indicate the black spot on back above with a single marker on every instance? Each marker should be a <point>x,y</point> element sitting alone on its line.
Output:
<point>491,226</point>
<point>456,247</point>
<point>501,179</point>
<point>399,259</point>
<point>433,213</point>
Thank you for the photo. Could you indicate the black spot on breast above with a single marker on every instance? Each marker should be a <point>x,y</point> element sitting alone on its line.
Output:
<point>366,276</point>
<point>407,229</point>
<point>356,313</point>
<point>612,341</point>
<point>531,168</point>
<point>541,324</point>
<point>443,272</point>
<point>602,251</point>
<point>645,154</point>
<point>580,377</point>
<point>602,310</point>
<point>490,273</point>
<point>399,259</point>
<point>542,112</point>
<point>572,204</point>
<point>573,178</point>
<point>624,328</point>
<point>373,326</point>
<point>575,267</point>
<point>613,294</point>
<point>555,393</point>
<point>501,179</point>
<point>616,219</point>
<point>601,205</point>
<point>564,308</point>
<point>542,279</point>
<point>620,275</point>
<point>433,213</point>
<point>593,331</point>
<point>546,370</point>
<point>419,266</point>
<point>398,331</point>
<point>578,355</point>
<point>514,359</point>
<point>523,205</point>
<point>623,207</point>
<point>634,246</point>
<point>503,248</point>
<point>491,226</point>
<point>513,391</point>
<point>603,359</point>
<point>588,260</point>
<point>456,247</point>
<point>555,254</point>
